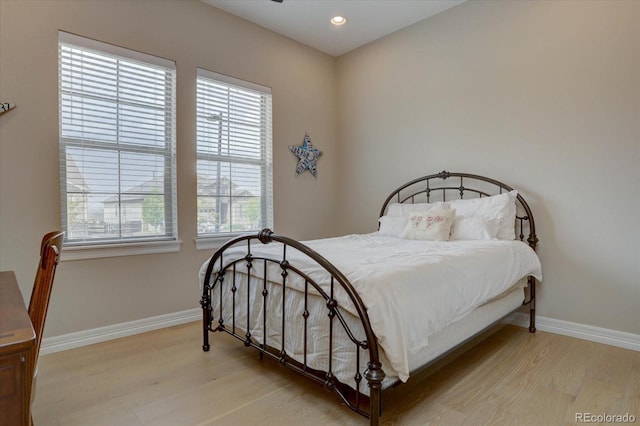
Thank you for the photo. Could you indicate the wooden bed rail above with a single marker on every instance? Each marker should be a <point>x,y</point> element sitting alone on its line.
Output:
<point>219,267</point>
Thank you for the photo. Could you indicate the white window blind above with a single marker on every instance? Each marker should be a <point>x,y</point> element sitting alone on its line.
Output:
<point>117,143</point>
<point>234,163</point>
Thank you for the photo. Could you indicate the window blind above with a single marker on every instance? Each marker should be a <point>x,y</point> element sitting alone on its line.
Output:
<point>234,160</point>
<point>117,143</point>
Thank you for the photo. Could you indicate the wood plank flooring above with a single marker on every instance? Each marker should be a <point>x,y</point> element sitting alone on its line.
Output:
<point>164,378</point>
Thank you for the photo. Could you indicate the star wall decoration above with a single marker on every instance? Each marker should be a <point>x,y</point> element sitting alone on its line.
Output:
<point>308,156</point>
<point>4,107</point>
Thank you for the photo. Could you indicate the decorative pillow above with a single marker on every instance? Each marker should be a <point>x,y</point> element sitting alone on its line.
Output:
<point>433,225</point>
<point>404,209</point>
<point>497,207</point>
<point>474,228</point>
<point>507,230</point>
<point>392,226</point>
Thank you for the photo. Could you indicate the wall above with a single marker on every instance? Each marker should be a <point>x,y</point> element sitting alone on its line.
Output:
<point>544,96</point>
<point>541,95</point>
<point>101,292</point>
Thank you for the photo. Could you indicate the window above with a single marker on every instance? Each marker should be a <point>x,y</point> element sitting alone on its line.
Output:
<point>234,155</point>
<point>117,144</point>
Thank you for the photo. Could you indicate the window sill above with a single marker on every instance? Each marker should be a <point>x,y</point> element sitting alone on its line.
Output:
<point>214,243</point>
<point>99,251</point>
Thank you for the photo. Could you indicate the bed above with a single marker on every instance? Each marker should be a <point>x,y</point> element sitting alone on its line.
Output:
<point>453,255</point>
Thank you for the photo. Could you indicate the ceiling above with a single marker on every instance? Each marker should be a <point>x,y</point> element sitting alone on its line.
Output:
<point>307,21</point>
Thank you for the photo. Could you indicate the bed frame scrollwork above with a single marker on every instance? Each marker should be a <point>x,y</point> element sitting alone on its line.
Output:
<point>225,269</point>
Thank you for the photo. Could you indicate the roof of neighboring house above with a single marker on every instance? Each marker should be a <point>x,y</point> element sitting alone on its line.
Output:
<point>210,186</point>
<point>156,186</point>
<point>139,192</point>
<point>75,179</point>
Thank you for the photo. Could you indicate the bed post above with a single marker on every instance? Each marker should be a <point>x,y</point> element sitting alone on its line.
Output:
<point>533,241</point>
<point>205,302</point>
<point>374,376</point>
<point>532,305</point>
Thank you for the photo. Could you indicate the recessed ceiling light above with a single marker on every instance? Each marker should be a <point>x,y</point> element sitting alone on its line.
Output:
<point>338,20</point>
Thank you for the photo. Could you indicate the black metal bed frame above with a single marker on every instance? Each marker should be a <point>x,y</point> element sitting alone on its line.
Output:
<point>351,395</point>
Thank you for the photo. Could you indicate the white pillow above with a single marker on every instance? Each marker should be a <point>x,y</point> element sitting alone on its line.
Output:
<point>392,226</point>
<point>404,209</point>
<point>433,225</point>
<point>507,230</point>
<point>474,228</point>
<point>497,207</point>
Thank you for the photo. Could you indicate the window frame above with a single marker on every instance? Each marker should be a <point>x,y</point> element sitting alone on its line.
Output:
<point>122,246</point>
<point>209,240</point>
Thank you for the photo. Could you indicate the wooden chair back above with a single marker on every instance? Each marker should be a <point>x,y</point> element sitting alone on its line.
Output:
<point>50,250</point>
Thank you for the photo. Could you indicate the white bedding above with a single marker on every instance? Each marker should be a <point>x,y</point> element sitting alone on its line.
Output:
<point>412,289</point>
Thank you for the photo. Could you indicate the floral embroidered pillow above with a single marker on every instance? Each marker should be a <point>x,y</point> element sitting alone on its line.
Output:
<point>433,225</point>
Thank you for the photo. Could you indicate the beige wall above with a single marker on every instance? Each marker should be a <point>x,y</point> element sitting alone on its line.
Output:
<point>544,96</point>
<point>95,293</point>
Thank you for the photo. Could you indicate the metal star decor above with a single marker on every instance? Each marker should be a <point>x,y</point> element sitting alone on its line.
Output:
<point>4,107</point>
<point>308,156</point>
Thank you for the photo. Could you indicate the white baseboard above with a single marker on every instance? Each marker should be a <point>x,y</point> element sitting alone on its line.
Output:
<point>620,339</point>
<point>102,334</point>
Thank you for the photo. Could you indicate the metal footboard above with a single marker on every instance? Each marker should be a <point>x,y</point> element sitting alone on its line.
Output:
<point>225,268</point>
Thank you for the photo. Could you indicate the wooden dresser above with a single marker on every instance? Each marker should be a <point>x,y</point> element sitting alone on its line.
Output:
<point>17,343</point>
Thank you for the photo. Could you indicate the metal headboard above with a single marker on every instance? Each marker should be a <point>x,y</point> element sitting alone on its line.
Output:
<point>440,186</point>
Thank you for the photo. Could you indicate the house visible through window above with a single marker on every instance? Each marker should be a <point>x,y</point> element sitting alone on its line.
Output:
<point>117,143</point>
<point>234,164</point>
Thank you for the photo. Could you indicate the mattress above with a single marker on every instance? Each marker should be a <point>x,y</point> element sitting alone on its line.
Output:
<point>476,321</point>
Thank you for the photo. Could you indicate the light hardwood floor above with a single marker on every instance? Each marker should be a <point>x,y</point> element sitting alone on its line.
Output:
<point>164,378</point>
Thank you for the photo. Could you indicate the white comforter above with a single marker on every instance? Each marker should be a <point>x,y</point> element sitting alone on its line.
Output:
<point>412,289</point>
